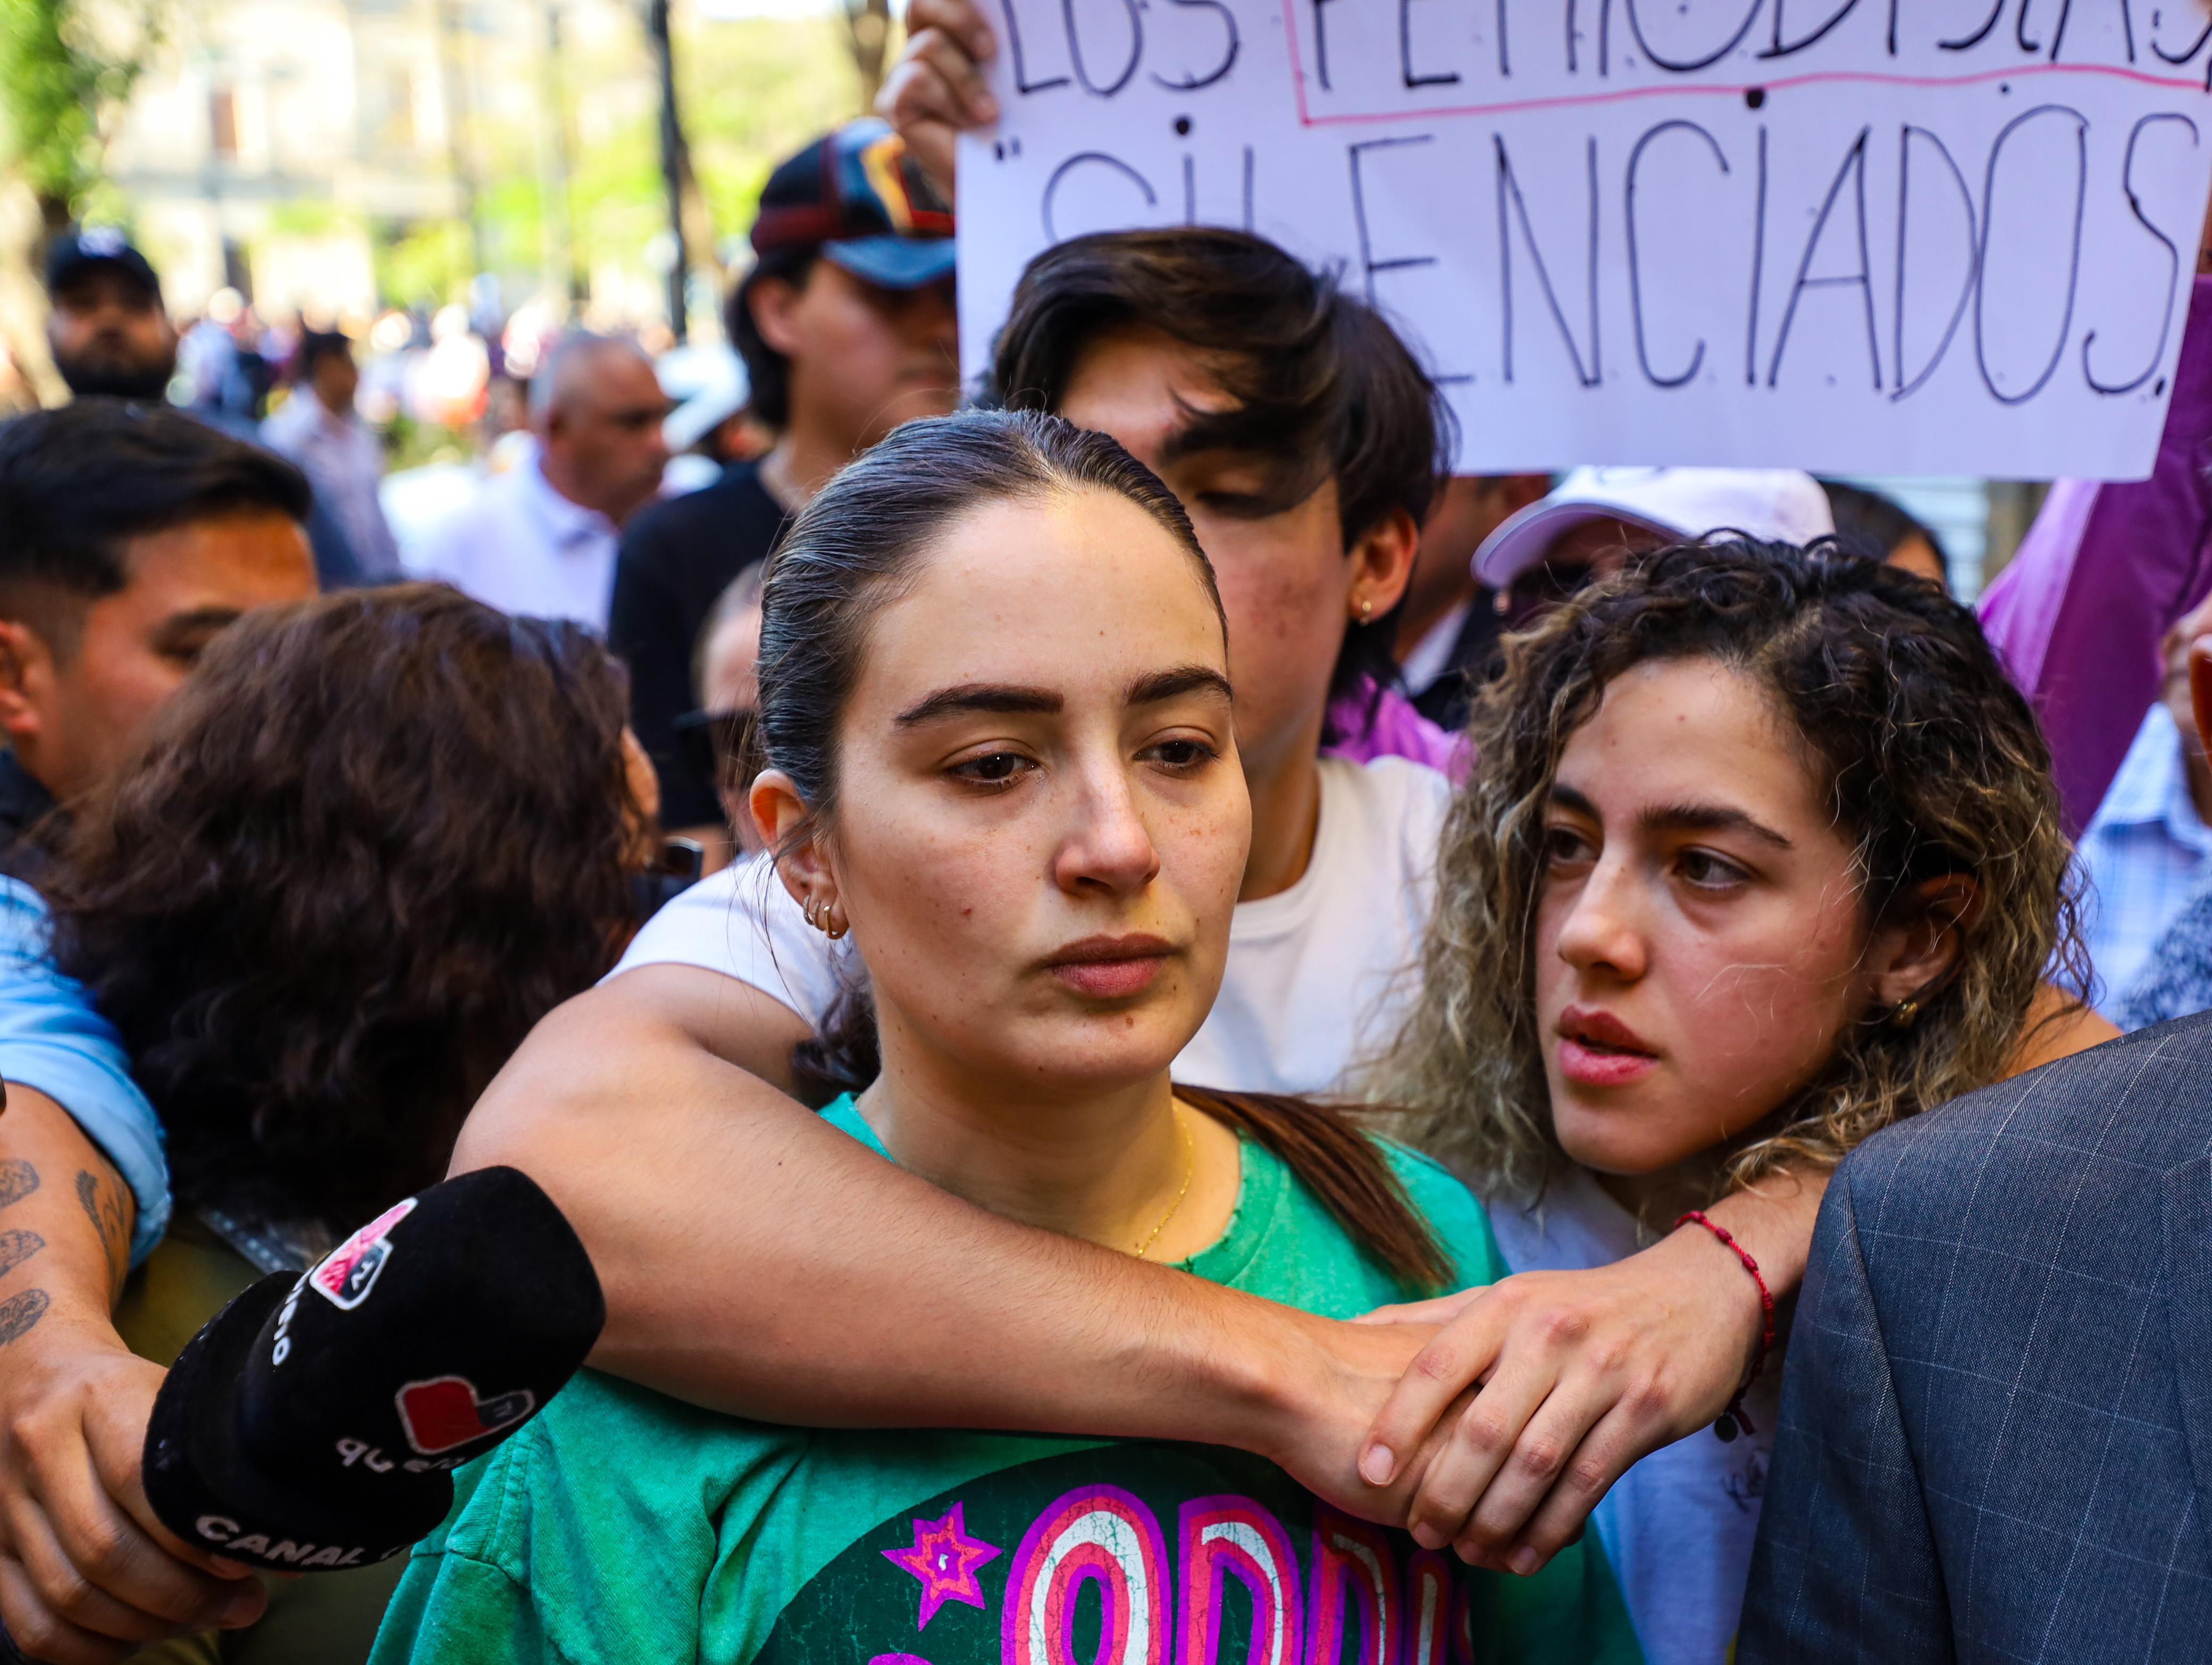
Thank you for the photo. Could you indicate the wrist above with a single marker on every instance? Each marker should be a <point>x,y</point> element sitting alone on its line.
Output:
<point>62,1340</point>
<point>1721,1286</point>
<point>1264,1384</point>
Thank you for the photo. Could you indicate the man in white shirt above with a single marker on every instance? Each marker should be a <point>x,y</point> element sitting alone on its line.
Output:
<point>1307,455</point>
<point>540,539</point>
<point>317,429</point>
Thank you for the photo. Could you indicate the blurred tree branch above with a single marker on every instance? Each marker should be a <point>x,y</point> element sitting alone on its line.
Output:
<point>868,29</point>
<point>66,69</point>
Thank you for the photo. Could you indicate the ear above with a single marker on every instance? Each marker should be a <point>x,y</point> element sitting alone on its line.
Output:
<point>1381,565</point>
<point>1911,958</point>
<point>27,678</point>
<point>800,860</point>
<point>775,304</point>
<point>2200,687</point>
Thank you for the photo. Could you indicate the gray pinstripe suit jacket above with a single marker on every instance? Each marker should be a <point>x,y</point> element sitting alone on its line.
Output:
<point>1995,1440</point>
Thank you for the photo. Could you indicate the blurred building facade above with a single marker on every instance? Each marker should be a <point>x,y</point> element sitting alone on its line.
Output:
<point>277,147</point>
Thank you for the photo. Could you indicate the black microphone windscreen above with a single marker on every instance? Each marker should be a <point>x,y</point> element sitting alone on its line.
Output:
<point>314,1422</point>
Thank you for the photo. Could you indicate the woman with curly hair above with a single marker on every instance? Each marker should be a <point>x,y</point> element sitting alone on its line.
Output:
<point>1762,854</point>
<point>373,839</point>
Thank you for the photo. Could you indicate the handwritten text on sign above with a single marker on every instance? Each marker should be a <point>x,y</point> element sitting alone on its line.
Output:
<point>1912,236</point>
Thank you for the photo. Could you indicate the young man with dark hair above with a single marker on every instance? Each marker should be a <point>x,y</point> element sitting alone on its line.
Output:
<point>1303,439</point>
<point>130,535</point>
<point>846,326</point>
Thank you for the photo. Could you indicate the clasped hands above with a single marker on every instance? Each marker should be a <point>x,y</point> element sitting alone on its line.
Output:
<point>1493,1421</point>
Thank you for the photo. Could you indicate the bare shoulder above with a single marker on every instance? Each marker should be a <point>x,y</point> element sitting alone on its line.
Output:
<point>2057,1026</point>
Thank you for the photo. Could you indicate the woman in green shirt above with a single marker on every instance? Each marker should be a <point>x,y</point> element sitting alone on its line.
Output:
<point>995,718</point>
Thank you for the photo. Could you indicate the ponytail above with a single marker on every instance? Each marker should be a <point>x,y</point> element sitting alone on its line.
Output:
<point>1343,1166</point>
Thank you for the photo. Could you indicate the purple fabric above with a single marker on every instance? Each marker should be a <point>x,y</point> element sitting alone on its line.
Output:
<point>1395,731</point>
<point>2105,571</point>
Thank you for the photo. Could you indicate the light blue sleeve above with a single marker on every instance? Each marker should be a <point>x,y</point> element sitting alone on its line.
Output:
<point>53,1041</point>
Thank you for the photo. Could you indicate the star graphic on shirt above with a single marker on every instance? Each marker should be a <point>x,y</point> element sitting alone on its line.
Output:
<point>945,1557</point>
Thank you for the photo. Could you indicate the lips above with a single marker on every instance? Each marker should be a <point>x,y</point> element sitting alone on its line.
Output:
<point>1111,968</point>
<point>1596,1050</point>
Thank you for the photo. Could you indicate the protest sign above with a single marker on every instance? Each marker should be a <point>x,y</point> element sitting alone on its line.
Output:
<point>1910,236</point>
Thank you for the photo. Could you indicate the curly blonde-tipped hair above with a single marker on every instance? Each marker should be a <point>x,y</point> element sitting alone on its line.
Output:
<point>1932,766</point>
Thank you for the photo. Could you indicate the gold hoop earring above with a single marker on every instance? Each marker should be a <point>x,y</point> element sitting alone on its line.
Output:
<point>835,928</point>
<point>1904,1012</point>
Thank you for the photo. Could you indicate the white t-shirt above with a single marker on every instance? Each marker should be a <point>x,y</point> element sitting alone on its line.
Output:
<point>1678,1527</point>
<point>1318,976</point>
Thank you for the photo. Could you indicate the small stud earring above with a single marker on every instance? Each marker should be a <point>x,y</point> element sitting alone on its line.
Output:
<point>1904,1012</point>
<point>1366,608</point>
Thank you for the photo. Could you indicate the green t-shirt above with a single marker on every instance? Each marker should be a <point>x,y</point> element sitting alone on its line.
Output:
<point>623,1525</point>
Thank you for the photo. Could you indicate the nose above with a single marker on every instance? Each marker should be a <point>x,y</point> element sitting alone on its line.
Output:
<point>1603,932</point>
<point>1107,847</point>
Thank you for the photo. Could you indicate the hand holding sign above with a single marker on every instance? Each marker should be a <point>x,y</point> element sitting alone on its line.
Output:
<point>936,91</point>
<point>1835,236</point>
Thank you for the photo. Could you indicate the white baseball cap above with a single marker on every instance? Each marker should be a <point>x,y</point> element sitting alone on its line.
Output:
<point>1780,505</point>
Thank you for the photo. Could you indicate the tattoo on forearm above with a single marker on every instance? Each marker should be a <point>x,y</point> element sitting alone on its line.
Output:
<point>18,1179</point>
<point>105,1214</point>
<point>17,1247</point>
<point>19,1314</point>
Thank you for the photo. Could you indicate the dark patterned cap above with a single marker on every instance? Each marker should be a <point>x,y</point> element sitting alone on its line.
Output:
<point>858,197</point>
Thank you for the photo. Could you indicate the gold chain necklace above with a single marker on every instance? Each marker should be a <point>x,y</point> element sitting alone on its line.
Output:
<point>1189,1169</point>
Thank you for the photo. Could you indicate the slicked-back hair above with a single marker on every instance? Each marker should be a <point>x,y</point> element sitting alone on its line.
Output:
<point>372,840</point>
<point>78,484</point>
<point>1931,765</point>
<point>1321,385</point>
<point>846,556</point>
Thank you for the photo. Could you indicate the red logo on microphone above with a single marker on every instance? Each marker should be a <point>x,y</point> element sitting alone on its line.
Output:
<point>447,1412</point>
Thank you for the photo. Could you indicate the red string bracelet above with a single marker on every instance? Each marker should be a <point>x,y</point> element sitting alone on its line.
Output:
<point>1734,1419</point>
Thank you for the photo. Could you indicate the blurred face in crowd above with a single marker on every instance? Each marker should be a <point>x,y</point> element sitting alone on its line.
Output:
<point>336,379</point>
<point>110,334</point>
<point>1596,549</point>
<point>1290,586</point>
<point>1701,940</point>
<point>76,689</point>
<point>730,687</point>
<point>1472,506</point>
<point>601,431</point>
<point>863,359</point>
<point>1040,825</point>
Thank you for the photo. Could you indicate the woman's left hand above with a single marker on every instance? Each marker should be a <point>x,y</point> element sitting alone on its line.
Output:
<point>1581,1373</point>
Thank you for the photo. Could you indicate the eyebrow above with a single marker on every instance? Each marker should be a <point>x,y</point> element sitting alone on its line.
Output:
<point>1013,699</point>
<point>181,628</point>
<point>1173,684</point>
<point>1680,818</point>
<point>980,697</point>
